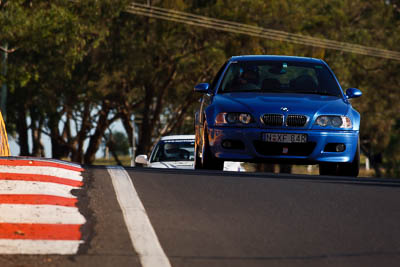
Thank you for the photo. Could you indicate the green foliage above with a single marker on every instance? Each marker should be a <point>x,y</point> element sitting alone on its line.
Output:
<point>118,143</point>
<point>51,41</point>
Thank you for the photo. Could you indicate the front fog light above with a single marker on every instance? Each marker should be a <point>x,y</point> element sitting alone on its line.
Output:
<point>227,144</point>
<point>340,147</point>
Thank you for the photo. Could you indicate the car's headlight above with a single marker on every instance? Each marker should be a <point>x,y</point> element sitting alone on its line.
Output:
<point>334,121</point>
<point>233,118</point>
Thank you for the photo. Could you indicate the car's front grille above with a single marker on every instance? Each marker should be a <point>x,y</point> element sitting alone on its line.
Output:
<point>272,119</point>
<point>277,149</point>
<point>296,120</point>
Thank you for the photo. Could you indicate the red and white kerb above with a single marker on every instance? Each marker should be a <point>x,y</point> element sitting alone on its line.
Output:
<point>38,213</point>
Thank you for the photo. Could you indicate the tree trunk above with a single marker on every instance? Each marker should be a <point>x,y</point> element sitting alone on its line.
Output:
<point>377,164</point>
<point>146,130</point>
<point>22,129</point>
<point>36,133</point>
<point>110,144</point>
<point>95,139</point>
<point>38,148</point>
<point>59,149</point>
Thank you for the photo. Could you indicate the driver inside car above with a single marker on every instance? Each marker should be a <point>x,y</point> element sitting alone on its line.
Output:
<point>248,79</point>
<point>173,151</point>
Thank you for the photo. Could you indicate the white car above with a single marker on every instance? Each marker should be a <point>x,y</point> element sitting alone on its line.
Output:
<point>177,151</point>
<point>174,151</point>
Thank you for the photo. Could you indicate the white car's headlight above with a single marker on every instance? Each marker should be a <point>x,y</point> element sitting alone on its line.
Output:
<point>334,121</point>
<point>233,118</point>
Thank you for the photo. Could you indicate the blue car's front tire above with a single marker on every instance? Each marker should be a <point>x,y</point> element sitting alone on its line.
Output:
<point>197,160</point>
<point>351,169</point>
<point>208,161</point>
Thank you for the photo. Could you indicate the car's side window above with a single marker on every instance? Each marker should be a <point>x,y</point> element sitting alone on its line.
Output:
<point>216,78</point>
<point>228,79</point>
<point>231,77</point>
<point>155,157</point>
<point>327,81</point>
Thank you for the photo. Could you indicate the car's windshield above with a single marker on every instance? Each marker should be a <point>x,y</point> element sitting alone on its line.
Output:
<point>173,150</point>
<point>279,77</point>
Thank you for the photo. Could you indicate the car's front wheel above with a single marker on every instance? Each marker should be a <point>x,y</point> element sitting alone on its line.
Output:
<point>197,159</point>
<point>208,161</point>
<point>351,169</point>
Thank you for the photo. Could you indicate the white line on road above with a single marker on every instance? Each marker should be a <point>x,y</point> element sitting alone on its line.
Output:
<point>52,171</point>
<point>142,234</point>
<point>35,188</point>
<point>19,246</point>
<point>47,214</point>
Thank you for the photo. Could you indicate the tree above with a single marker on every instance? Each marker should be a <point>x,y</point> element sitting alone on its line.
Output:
<point>54,41</point>
<point>117,143</point>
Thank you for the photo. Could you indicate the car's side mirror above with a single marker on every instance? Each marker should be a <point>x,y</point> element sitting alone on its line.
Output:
<point>353,93</point>
<point>202,88</point>
<point>141,159</point>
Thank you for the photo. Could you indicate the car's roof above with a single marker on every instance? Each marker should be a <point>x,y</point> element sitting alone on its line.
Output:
<point>178,137</point>
<point>275,58</point>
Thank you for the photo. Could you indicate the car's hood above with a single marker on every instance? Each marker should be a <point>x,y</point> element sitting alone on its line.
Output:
<point>173,164</point>
<point>261,103</point>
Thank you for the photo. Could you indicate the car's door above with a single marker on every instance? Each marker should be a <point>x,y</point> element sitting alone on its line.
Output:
<point>206,100</point>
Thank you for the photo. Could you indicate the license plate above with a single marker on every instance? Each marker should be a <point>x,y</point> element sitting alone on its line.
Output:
<point>284,138</point>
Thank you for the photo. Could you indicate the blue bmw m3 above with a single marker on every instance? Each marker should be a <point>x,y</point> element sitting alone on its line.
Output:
<point>277,109</point>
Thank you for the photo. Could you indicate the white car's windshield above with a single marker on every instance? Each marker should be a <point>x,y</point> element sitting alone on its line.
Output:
<point>173,150</point>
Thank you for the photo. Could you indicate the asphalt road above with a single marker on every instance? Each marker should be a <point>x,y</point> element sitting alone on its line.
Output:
<point>237,219</point>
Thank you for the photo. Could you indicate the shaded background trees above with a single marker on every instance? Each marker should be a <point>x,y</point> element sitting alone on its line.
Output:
<point>79,67</point>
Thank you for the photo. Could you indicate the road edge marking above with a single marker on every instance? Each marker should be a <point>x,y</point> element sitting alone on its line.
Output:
<point>141,231</point>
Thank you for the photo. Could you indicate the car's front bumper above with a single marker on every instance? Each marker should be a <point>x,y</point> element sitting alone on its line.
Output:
<point>255,150</point>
